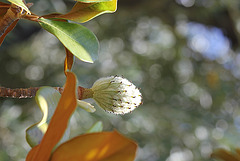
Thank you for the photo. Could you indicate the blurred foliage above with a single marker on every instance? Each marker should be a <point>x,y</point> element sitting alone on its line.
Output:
<point>184,54</point>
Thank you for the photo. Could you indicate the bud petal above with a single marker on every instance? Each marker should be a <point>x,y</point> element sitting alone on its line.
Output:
<point>116,94</point>
<point>86,106</point>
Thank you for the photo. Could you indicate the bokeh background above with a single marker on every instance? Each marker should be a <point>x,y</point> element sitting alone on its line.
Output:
<point>183,54</point>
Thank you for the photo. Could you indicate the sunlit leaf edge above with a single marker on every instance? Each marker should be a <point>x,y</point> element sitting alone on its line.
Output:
<point>59,122</point>
<point>92,1</point>
<point>52,97</point>
<point>77,10</point>
<point>20,4</point>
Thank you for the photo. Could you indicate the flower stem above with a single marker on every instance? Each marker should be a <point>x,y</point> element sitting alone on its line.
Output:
<point>82,93</point>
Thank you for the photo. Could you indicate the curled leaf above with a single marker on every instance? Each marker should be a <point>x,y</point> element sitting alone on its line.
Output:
<point>102,146</point>
<point>58,124</point>
<point>47,99</point>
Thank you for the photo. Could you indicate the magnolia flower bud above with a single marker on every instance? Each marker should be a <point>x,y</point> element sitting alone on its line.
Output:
<point>116,95</point>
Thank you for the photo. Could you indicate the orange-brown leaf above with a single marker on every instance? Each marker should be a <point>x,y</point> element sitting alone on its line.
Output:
<point>3,8</point>
<point>238,152</point>
<point>225,155</point>
<point>2,4</point>
<point>103,146</point>
<point>31,153</point>
<point>58,124</point>
<point>83,12</point>
<point>10,28</point>
<point>68,63</point>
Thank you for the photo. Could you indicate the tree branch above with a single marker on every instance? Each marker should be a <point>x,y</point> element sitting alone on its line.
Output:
<point>82,93</point>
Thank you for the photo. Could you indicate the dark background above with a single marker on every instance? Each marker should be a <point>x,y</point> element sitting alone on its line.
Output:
<point>183,54</point>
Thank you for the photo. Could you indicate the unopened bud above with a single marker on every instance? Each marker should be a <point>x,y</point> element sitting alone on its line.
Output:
<point>116,95</point>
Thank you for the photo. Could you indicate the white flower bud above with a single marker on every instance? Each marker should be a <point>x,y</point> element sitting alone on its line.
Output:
<point>116,95</point>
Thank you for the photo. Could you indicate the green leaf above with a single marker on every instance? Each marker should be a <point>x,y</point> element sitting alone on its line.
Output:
<point>80,41</point>
<point>47,99</point>
<point>84,11</point>
<point>20,4</point>
<point>97,127</point>
<point>90,1</point>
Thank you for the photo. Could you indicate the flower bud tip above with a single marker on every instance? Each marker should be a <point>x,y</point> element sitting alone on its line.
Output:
<point>116,95</point>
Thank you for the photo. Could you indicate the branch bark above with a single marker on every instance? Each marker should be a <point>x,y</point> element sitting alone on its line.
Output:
<point>82,93</point>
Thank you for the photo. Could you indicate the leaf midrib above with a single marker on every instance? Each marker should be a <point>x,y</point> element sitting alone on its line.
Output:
<point>74,40</point>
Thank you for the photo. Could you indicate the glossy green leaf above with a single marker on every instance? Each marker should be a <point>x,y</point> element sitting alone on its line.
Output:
<point>20,4</point>
<point>97,127</point>
<point>47,99</point>
<point>80,41</point>
<point>87,10</point>
<point>90,1</point>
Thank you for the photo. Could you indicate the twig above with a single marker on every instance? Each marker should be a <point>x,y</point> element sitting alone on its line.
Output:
<point>82,93</point>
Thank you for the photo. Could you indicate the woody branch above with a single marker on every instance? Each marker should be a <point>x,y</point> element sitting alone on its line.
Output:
<point>82,93</point>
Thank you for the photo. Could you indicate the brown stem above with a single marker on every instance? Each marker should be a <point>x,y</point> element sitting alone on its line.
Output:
<point>83,93</point>
<point>31,17</point>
